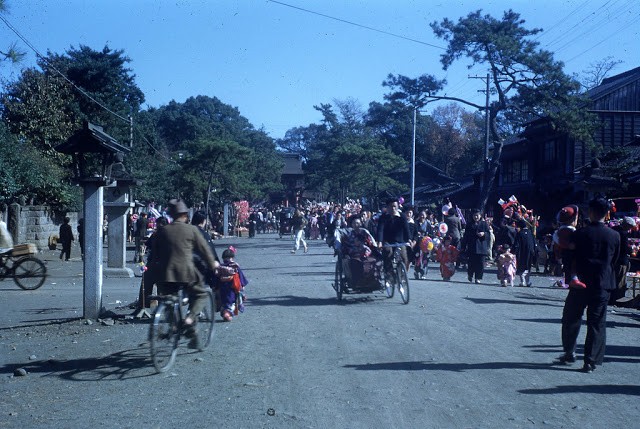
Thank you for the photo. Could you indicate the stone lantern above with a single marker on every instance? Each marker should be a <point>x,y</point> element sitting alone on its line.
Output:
<point>93,152</point>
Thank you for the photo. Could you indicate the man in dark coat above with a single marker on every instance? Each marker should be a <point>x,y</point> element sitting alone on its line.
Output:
<point>475,243</point>
<point>597,251</point>
<point>454,226</point>
<point>142,224</point>
<point>393,229</point>
<point>66,237</point>
<point>524,248</point>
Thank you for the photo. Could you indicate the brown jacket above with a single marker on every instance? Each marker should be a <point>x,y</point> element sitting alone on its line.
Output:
<point>172,252</point>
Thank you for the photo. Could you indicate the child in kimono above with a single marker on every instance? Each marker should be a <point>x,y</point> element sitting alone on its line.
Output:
<point>506,266</point>
<point>231,284</point>
<point>447,255</point>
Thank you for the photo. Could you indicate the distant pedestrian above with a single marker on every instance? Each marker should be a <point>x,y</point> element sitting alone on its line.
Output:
<point>525,250</point>
<point>140,236</point>
<point>597,248</point>
<point>475,243</point>
<point>66,237</point>
<point>298,224</point>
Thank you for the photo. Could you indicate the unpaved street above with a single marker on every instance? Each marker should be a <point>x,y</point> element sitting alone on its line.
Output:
<point>459,355</point>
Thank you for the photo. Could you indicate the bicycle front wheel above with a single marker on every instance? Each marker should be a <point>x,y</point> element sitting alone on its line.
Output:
<point>163,337</point>
<point>403,283</point>
<point>29,273</point>
<point>204,322</point>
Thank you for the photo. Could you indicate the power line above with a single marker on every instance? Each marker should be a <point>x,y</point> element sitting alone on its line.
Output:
<point>357,25</point>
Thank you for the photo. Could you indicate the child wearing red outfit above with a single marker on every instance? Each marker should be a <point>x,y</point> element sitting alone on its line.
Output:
<point>447,255</point>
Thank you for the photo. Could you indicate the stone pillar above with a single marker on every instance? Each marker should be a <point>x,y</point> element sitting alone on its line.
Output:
<point>92,298</point>
<point>116,206</point>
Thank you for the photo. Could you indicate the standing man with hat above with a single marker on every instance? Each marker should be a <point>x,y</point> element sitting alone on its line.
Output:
<point>597,248</point>
<point>172,253</point>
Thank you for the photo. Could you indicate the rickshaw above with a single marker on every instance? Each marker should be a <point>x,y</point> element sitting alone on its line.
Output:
<point>366,274</point>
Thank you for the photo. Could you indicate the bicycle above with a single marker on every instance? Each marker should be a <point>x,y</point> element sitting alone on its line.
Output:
<point>168,326</point>
<point>399,278</point>
<point>27,271</point>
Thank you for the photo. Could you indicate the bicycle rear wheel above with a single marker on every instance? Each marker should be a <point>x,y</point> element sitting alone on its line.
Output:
<point>164,335</point>
<point>403,282</point>
<point>29,273</point>
<point>205,321</point>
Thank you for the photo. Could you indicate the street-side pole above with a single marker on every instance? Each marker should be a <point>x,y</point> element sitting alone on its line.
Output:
<point>413,158</point>
<point>92,267</point>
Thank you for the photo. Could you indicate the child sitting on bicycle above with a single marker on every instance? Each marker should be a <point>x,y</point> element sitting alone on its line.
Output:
<point>231,285</point>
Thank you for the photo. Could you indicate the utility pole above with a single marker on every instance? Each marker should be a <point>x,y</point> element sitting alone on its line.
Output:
<point>487,80</point>
<point>413,159</point>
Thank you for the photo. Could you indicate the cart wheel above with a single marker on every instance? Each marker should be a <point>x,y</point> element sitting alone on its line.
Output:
<point>29,273</point>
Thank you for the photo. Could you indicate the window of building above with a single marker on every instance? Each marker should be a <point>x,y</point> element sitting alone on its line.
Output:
<point>550,155</point>
<point>515,171</point>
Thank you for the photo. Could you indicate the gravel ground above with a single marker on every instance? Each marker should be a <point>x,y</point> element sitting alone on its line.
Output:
<point>459,355</point>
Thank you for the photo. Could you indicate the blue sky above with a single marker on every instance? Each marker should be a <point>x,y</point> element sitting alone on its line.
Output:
<point>275,62</point>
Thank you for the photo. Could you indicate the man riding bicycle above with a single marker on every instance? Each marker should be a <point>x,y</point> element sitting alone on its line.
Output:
<point>173,264</point>
<point>393,228</point>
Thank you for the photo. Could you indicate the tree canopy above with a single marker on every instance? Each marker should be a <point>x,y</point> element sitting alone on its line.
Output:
<point>527,83</point>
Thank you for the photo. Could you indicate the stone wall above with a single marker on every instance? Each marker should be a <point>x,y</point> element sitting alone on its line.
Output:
<point>35,224</point>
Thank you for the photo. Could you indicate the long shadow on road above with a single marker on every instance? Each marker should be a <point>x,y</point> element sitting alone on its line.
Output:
<point>508,301</point>
<point>122,365</point>
<point>302,301</point>
<point>610,323</point>
<point>604,389</point>
<point>453,367</point>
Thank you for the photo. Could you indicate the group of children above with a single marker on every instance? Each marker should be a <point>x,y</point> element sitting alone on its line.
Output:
<point>506,262</point>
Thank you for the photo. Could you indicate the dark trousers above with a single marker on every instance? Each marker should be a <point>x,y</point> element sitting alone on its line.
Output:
<point>387,257</point>
<point>66,251</point>
<point>197,294</point>
<point>595,302</point>
<point>475,266</point>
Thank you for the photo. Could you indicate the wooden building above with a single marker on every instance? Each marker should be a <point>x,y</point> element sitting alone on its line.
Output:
<point>545,169</point>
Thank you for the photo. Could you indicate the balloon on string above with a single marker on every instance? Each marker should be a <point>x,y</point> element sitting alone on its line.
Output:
<point>401,200</point>
<point>426,244</point>
<point>443,228</point>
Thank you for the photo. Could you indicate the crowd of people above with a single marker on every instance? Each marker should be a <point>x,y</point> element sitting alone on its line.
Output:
<point>589,252</point>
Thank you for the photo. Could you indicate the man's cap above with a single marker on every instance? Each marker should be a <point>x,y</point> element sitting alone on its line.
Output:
<point>567,213</point>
